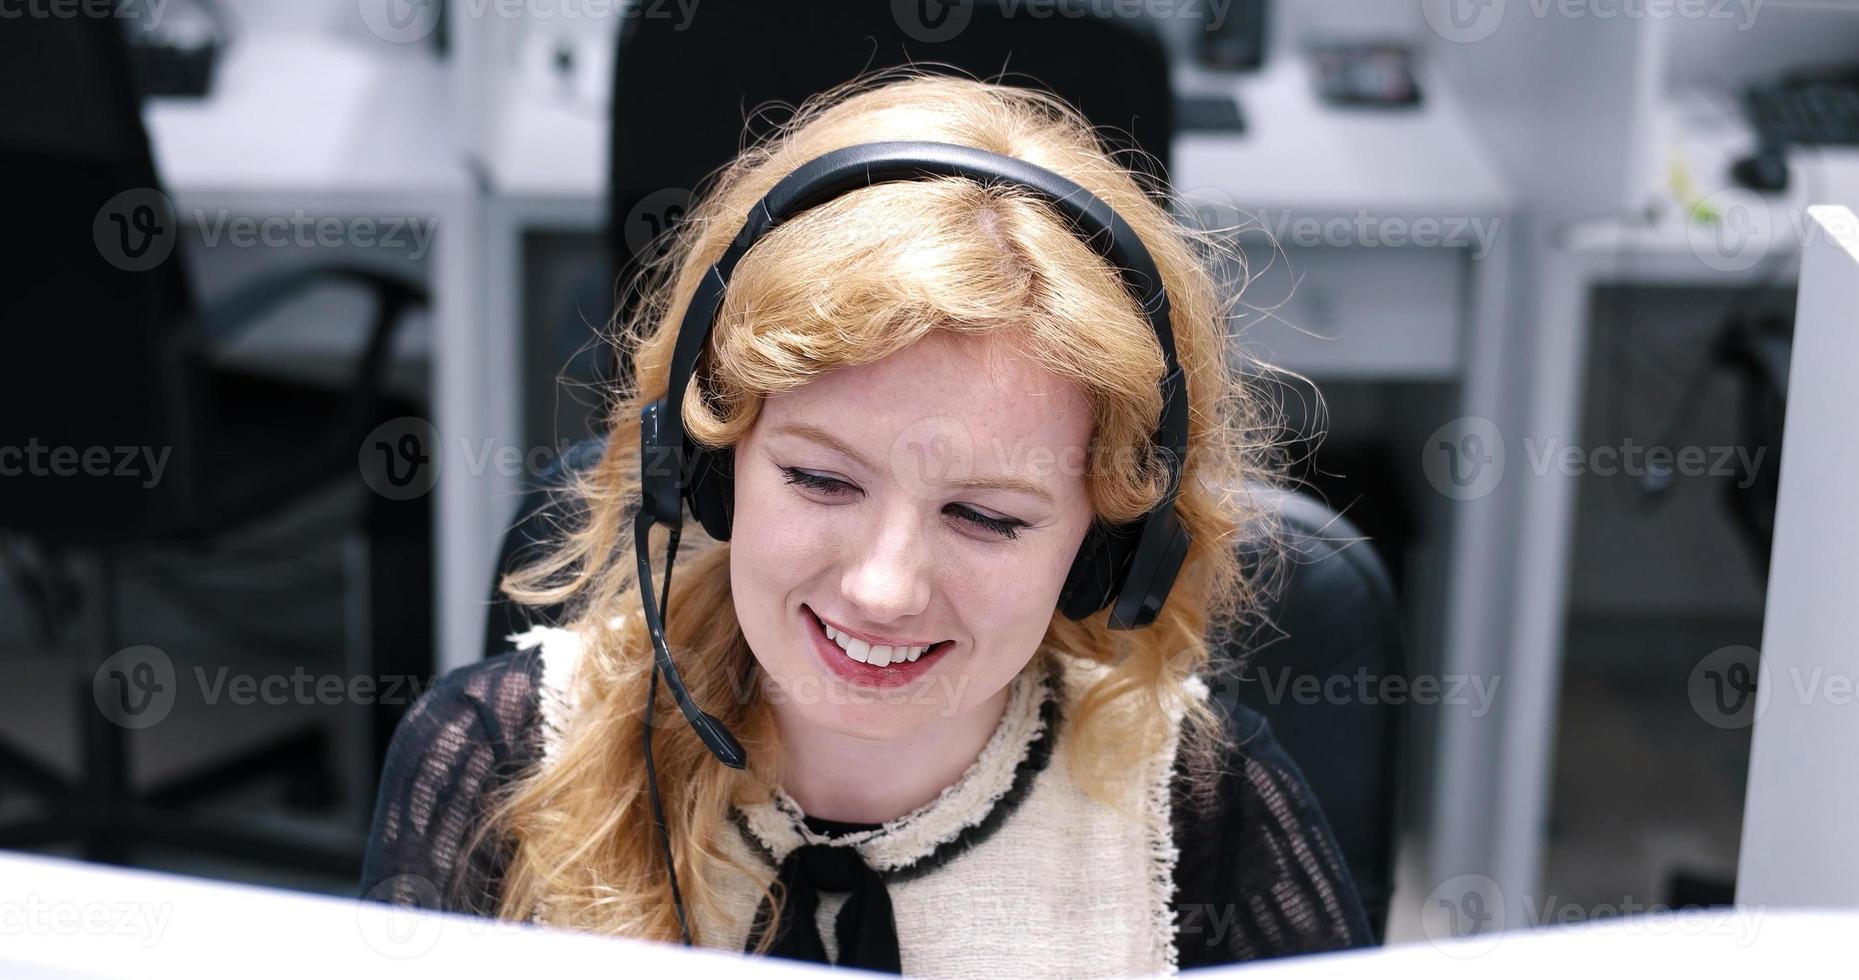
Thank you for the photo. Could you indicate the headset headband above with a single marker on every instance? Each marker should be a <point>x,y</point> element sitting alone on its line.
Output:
<point>828,176</point>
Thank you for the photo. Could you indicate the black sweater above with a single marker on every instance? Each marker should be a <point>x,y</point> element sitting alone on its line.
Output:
<point>1259,874</point>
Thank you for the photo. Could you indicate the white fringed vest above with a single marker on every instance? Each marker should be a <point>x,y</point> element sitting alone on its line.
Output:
<point>1057,884</point>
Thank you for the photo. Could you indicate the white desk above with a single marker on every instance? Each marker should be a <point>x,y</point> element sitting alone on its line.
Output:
<point>67,919</point>
<point>63,919</point>
<point>1298,152</point>
<point>1732,944</point>
<point>1418,204</point>
<point>299,121</point>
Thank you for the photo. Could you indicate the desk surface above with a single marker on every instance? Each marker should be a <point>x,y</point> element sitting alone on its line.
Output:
<point>61,918</point>
<point>66,919</point>
<point>311,122</point>
<point>1756,237</point>
<point>1297,153</point>
<point>1301,153</point>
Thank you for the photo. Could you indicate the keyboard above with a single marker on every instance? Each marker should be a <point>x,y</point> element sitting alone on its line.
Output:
<point>1807,110</point>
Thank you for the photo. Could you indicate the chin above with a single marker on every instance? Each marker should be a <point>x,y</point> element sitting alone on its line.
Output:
<point>825,702</point>
<point>877,723</point>
<point>864,713</point>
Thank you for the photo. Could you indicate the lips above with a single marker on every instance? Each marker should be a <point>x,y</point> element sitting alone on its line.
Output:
<point>842,665</point>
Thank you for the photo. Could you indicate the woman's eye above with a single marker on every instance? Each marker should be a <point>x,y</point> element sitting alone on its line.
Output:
<point>1006,527</point>
<point>814,481</point>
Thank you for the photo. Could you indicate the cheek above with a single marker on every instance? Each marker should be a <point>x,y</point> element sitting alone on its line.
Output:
<point>773,527</point>
<point>1010,597</point>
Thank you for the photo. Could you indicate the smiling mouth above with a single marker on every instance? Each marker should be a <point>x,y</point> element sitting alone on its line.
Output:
<point>875,656</point>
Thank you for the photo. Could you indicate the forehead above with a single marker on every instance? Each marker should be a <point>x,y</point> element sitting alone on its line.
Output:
<point>976,383</point>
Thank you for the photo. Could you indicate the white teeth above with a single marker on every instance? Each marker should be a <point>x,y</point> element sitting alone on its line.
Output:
<point>865,653</point>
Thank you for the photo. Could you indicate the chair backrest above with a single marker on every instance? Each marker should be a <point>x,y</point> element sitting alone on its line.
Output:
<point>682,89</point>
<point>94,290</point>
<point>1331,614</point>
<point>1315,667</point>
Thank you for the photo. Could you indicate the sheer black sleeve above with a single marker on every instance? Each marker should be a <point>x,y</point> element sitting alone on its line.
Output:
<point>470,733</point>
<point>1259,874</point>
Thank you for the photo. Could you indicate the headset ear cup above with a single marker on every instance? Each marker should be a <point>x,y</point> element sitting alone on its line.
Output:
<point>1161,550</point>
<point>1089,586</point>
<point>712,488</point>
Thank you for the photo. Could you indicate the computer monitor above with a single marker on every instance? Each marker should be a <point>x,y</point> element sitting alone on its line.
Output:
<point>1798,847</point>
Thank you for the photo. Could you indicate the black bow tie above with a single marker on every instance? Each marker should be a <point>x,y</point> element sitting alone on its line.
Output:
<point>866,929</point>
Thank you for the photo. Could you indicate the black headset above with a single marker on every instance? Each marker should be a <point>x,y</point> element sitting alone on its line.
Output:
<point>1130,567</point>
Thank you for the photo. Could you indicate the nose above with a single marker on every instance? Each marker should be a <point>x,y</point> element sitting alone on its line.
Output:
<point>888,576</point>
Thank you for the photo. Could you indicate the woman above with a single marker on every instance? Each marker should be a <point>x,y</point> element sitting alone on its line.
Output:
<point>933,389</point>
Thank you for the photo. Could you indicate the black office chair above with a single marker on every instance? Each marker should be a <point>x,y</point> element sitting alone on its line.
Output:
<point>1758,349</point>
<point>1332,613</point>
<point>106,348</point>
<point>683,92</point>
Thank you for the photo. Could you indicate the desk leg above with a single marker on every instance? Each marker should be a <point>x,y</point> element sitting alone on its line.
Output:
<point>1466,754</point>
<point>1507,583</point>
<point>476,417</point>
<point>1509,586</point>
<point>1556,357</point>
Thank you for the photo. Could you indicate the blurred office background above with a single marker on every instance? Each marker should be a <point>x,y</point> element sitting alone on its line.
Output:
<point>1537,258</point>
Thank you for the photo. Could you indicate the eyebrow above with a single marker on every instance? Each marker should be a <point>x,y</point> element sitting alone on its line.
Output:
<point>816,434</point>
